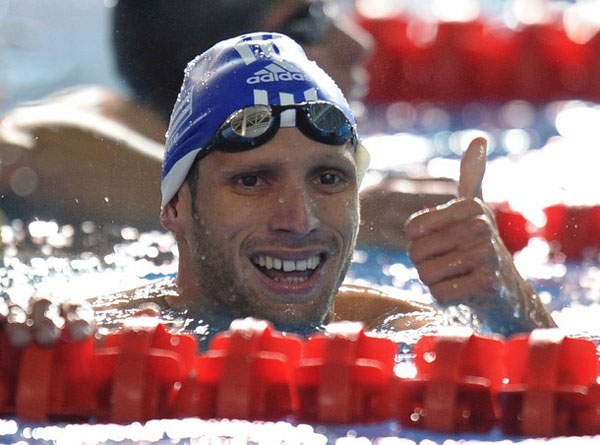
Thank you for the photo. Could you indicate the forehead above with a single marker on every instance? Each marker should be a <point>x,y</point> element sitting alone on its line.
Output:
<point>289,148</point>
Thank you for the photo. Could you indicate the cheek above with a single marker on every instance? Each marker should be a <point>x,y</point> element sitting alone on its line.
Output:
<point>341,215</point>
<point>229,218</point>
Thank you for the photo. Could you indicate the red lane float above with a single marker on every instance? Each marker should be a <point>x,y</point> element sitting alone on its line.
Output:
<point>246,374</point>
<point>573,231</point>
<point>136,368</point>
<point>9,371</point>
<point>461,62</point>
<point>549,379</point>
<point>345,376</point>
<point>540,384</point>
<point>56,383</point>
<point>513,228</point>
<point>458,377</point>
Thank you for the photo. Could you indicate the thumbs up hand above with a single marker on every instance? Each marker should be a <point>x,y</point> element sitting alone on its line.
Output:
<point>460,256</point>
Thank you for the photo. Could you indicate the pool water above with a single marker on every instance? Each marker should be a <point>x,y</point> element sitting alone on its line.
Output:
<point>80,262</point>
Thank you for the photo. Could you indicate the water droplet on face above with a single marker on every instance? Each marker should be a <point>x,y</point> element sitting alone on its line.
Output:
<point>281,200</point>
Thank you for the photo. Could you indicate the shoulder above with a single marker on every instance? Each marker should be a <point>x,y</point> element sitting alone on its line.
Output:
<point>375,308</point>
<point>161,292</point>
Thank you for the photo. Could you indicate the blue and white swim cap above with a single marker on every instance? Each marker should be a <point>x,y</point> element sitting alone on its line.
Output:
<point>259,68</point>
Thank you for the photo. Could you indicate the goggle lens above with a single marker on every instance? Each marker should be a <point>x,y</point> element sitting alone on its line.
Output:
<point>256,124</point>
<point>251,122</point>
<point>328,119</point>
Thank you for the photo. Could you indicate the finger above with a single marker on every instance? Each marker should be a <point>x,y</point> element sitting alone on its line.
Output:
<point>17,329</point>
<point>39,307</point>
<point>456,264</point>
<point>429,221</point>
<point>80,329</point>
<point>47,322</point>
<point>46,330</point>
<point>478,286</point>
<point>472,169</point>
<point>457,237</point>
<point>80,323</point>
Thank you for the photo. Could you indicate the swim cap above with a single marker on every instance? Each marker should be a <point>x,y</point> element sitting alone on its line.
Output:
<point>257,68</point>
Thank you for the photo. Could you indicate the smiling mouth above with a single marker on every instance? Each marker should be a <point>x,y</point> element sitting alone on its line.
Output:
<point>287,271</point>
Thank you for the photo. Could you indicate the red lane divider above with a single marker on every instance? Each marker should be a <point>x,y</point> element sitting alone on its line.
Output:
<point>56,383</point>
<point>137,367</point>
<point>573,229</point>
<point>9,370</point>
<point>549,378</point>
<point>344,376</point>
<point>457,379</point>
<point>478,60</point>
<point>246,374</point>
<point>541,384</point>
<point>570,230</point>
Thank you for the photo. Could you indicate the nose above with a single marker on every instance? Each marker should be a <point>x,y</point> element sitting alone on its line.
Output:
<point>294,213</point>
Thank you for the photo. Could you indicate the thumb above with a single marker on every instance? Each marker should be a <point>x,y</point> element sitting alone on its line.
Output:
<point>472,169</point>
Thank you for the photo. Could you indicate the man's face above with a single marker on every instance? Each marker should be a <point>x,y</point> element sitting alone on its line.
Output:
<point>275,228</point>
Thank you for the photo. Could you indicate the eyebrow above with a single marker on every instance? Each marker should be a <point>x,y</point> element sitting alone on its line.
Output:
<point>327,160</point>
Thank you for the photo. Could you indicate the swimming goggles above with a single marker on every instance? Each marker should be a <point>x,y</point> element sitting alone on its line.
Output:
<point>255,125</point>
<point>309,25</point>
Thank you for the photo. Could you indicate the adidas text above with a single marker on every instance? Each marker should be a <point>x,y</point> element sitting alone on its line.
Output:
<point>274,77</point>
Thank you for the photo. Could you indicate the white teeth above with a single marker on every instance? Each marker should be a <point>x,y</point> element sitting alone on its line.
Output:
<point>287,265</point>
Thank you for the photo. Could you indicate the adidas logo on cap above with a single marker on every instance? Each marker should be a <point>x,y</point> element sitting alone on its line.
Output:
<point>276,72</point>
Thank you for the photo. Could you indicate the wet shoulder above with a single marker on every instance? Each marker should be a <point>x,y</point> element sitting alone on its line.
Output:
<point>377,309</point>
<point>112,308</point>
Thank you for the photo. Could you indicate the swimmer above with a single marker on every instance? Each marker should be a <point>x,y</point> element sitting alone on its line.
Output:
<point>101,153</point>
<point>260,189</point>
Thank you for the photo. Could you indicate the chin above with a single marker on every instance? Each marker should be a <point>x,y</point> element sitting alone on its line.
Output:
<point>294,318</point>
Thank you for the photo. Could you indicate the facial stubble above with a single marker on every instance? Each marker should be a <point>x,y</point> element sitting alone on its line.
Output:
<point>226,294</point>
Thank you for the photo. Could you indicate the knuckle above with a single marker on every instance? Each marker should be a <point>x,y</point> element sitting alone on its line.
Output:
<point>472,206</point>
<point>480,225</point>
<point>442,293</point>
<point>415,251</point>
<point>425,276</point>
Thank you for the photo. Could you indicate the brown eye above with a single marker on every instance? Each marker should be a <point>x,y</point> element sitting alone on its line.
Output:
<point>248,181</point>
<point>330,179</point>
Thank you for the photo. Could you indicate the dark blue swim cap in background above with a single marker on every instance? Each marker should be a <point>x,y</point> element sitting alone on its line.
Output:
<point>252,69</point>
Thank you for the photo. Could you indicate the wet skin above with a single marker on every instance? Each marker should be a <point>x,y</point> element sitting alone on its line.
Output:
<point>292,200</point>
